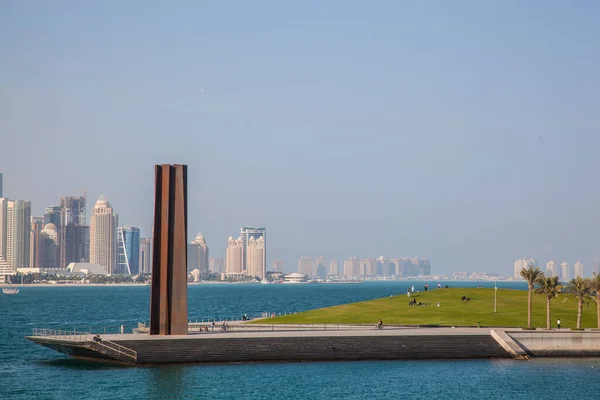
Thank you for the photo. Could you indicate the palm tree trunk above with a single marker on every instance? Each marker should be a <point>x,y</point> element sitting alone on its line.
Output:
<point>579,312</point>
<point>529,299</point>
<point>547,312</point>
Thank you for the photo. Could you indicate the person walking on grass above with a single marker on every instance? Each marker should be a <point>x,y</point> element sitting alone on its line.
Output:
<point>558,323</point>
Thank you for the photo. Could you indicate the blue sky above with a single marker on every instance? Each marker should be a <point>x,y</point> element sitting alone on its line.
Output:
<point>465,132</point>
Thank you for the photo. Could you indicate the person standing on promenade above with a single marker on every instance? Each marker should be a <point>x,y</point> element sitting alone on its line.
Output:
<point>558,323</point>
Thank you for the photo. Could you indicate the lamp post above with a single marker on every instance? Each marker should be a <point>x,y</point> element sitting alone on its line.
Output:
<point>495,292</point>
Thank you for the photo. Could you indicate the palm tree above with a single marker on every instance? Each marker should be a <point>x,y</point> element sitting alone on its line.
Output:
<point>550,287</point>
<point>580,289</point>
<point>595,287</point>
<point>530,275</point>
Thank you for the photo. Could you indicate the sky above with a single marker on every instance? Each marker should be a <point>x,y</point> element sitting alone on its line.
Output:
<point>465,132</point>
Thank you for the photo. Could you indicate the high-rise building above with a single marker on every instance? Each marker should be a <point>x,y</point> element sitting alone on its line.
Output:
<point>36,243</point>
<point>277,265</point>
<point>197,256</point>
<point>565,275</point>
<point>597,268</point>
<point>248,232</point>
<point>216,265</point>
<point>306,267</point>
<point>128,250</point>
<point>103,243</point>
<point>578,269</point>
<point>396,267</point>
<point>351,268</point>
<point>3,228</point>
<point>521,264</point>
<point>18,233</point>
<point>368,267</point>
<point>1,185</point>
<point>551,269</point>
<point>255,258</point>
<point>50,248</point>
<point>235,259</point>
<point>334,267</point>
<point>74,234</point>
<point>145,258</point>
<point>320,269</point>
<point>52,216</point>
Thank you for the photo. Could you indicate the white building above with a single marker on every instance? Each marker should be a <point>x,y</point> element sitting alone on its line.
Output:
<point>306,266</point>
<point>145,256</point>
<point>197,255</point>
<point>521,264</point>
<point>18,233</point>
<point>565,275</point>
<point>49,241</point>
<point>103,235</point>
<point>234,262</point>
<point>351,268</point>
<point>255,259</point>
<point>551,269</point>
<point>578,269</point>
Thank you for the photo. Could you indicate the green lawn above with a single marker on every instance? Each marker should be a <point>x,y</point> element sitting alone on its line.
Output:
<point>511,310</point>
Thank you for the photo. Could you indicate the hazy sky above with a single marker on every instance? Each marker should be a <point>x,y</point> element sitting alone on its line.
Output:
<point>466,132</point>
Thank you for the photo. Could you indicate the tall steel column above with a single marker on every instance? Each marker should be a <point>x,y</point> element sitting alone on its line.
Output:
<point>168,301</point>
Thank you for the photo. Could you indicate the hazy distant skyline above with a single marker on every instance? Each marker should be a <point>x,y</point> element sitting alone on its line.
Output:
<point>462,132</point>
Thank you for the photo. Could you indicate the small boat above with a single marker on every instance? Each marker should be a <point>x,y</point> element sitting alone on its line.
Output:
<point>10,290</point>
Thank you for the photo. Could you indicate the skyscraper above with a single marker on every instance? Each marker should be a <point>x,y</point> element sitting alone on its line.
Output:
<point>103,242</point>
<point>128,250</point>
<point>523,263</point>
<point>351,268</point>
<point>197,257</point>
<point>235,260</point>
<point>578,269</point>
<point>52,216</point>
<point>74,234</point>
<point>565,276</point>
<point>256,258</point>
<point>334,267</point>
<point>3,228</point>
<point>18,233</point>
<point>36,242</point>
<point>277,265</point>
<point>306,266</point>
<point>320,270</point>
<point>50,248</point>
<point>551,269</point>
<point>1,185</point>
<point>145,256</point>
<point>248,232</point>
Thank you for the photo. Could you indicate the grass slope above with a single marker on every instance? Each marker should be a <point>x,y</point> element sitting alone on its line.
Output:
<point>511,310</point>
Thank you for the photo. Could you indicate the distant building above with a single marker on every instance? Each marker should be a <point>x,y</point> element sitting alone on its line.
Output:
<point>521,264</point>
<point>306,266</point>
<point>351,268</point>
<point>578,269</point>
<point>234,256</point>
<point>18,233</point>
<point>320,270</point>
<point>36,245</point>
<point>551,269</point>
<point>49,247</point>
<point>145,257</point>
<point>565,275</point>
<point>128,250</point>
<point>103,243</point>
<point>334,267</point>
<point>248,232</point>
<point>277,265</point>
<point>255,259</point>
<point>597,268</point>
<point>73,232</point>
<point>1,185</point>
<point>395,267</point>
<point>197,255</point>
<point>3,229</point>
<point>216,266</point>
<point>52,216</point>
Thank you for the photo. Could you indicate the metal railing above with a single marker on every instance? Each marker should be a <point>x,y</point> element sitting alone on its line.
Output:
<point>199,327</point>
<point>117,348</point>
<point>73,336</point>
<point>84,337</point>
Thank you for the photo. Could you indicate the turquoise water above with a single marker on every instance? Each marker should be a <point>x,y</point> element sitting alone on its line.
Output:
<point>31,371</point>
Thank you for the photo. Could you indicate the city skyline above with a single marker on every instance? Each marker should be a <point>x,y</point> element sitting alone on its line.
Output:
<point>463,132</point>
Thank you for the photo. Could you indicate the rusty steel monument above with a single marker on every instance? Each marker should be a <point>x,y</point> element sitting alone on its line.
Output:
<point>168,301</point>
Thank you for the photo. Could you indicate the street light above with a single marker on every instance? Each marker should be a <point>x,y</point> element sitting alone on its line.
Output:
<point>495,293</point>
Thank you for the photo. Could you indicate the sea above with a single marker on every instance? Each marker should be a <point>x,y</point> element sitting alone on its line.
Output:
<point>29,371</point>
